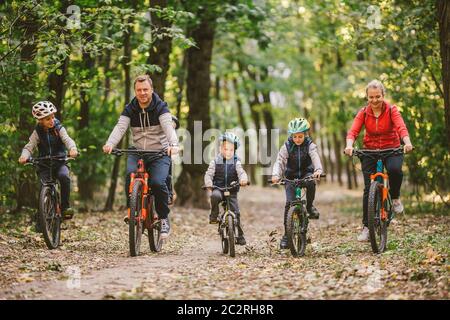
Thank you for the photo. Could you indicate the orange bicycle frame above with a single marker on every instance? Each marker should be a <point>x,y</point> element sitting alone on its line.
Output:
<point>141,175</point>
<point>384,191</point>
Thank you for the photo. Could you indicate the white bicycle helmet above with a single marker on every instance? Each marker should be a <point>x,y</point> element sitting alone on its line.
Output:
<point>42,109</point>
<point>230,137</point>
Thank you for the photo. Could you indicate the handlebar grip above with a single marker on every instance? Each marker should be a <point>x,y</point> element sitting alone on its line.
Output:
<point>323,175</point>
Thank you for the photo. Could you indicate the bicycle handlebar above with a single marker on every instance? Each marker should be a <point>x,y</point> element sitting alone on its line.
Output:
<point>33,161</point>
<point>234,185</point>
<point>283,181</point>
<point>119,152</point>
<point>372,152</point>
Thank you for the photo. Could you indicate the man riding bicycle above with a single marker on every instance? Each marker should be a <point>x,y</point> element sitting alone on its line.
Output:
<point>151,130</point>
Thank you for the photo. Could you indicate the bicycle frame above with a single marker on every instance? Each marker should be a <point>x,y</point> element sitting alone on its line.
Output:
<point>381,176</point>
<point>384,179</point>
<point>140,175</point>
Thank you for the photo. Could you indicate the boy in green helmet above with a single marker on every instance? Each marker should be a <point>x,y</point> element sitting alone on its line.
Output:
<point>297,159</point>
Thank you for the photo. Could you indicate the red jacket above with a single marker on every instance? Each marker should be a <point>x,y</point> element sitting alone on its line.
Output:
<point>381,133</point>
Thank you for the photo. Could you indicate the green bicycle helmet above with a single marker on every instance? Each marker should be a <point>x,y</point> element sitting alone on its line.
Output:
<point>230,137</point>
<point>298,125</point>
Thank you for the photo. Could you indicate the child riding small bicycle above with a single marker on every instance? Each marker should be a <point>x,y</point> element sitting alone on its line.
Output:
<point>51,139</point>
<point>222,171</point>
<point>297,159</point>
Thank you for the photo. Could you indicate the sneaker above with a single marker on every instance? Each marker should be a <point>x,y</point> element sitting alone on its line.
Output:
<point>364,236</point>
<point>284,242</point>
<point>313,213</point>
<point>397,206</point>
<point>165,228</point>
<point>68,213</point>
<point>240,240</point>
<point>213,219</point>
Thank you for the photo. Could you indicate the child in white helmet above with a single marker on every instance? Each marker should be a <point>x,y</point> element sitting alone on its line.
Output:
<point>297,159</point>
<point>222,171</point>
<point>51,139</point>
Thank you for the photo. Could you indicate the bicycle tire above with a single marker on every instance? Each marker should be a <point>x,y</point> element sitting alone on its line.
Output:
<point>48,213</point>
<point>231,237</point>
<point>135,224</point>
<point>154,231</point>
<point>296,238</point>
<point>377,228</point>
<point>223,238</point>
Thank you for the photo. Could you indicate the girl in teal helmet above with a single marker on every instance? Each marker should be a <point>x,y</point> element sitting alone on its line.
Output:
<point>298,125</point>
<point>298,158</point>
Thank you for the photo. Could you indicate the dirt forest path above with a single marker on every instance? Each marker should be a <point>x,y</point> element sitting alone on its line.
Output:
<point>93,261</point>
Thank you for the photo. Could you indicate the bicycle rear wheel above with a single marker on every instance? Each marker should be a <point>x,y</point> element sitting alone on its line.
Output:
<point>154,231</point>
<point>296,237</point>
<point>136,223</point>
<point>49,218</point>
<point>377,227</point>
<point>231,236</point>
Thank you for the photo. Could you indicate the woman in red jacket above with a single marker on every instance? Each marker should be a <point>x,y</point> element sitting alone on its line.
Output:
<point>384,129</point>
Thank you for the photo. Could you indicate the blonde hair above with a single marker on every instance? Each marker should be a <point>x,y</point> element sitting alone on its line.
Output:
<point>375,84</point>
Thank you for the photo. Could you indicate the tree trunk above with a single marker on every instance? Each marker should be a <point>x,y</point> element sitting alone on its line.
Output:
<point>57,88</point>
<point>160,50</point>
<point>269,123</point>
<point>243,123</point>
<point>189,183</point>
<point>337,154</point>
<point>126,68</point>
<point>56,82</point>
<point>443,15</point>
<point>27,193</point>
<point>85,185</point>
<point>348,165</point>
<point>330,159</point>
<point>181,79</point>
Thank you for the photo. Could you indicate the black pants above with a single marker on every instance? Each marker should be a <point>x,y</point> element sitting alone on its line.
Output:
<point>393,165</point>
<point>290,196</point>
<point>217,197</point>
<point>61,173</point>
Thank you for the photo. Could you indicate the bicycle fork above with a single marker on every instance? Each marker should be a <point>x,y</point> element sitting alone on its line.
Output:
<point>383,178</point>
<point>301,210</point>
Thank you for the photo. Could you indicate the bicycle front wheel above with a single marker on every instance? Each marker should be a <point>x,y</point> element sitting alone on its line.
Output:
<point>154,231</point>
<point>49,219</point>
<point>377,226</point>
<point>296,237</point>
<point>231,236</point>
<point>136,223</point>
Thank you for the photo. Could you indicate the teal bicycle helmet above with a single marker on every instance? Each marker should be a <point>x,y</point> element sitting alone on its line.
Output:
<point>298,125</point>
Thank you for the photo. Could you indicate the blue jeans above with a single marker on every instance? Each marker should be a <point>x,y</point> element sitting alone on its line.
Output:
<point>158,171</point>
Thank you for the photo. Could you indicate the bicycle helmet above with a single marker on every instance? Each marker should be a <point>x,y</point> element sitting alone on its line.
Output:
<point>43,109</point>
<point>298,125</point>
<point>230,137</point>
